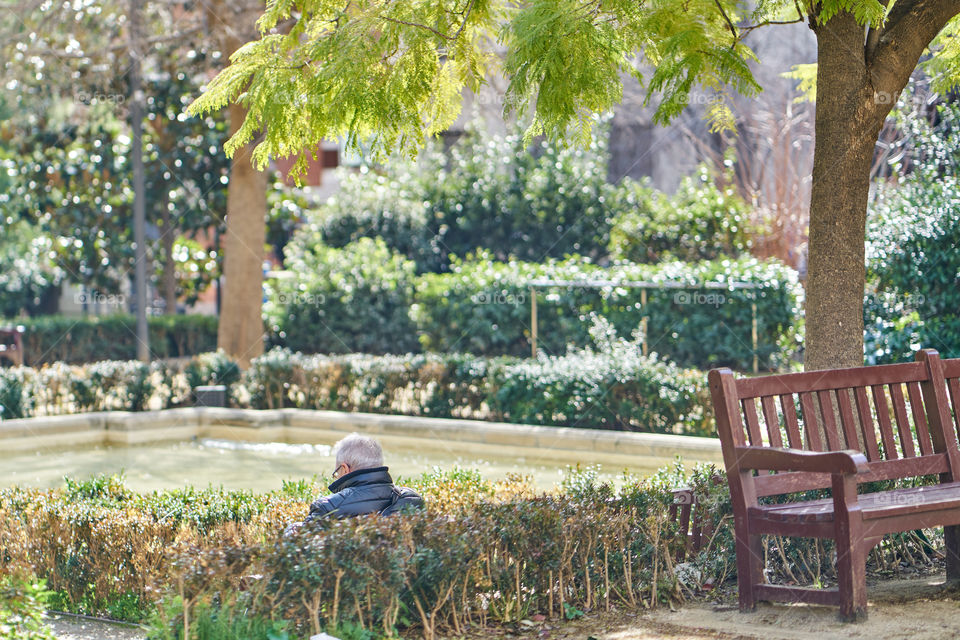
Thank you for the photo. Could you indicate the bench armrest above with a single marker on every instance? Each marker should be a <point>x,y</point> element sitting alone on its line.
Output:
<point>774,459</point>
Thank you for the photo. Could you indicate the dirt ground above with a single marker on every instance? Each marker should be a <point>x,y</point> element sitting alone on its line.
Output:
<point>915,609</point>
<point>68,628</point>
<point>918,609</point>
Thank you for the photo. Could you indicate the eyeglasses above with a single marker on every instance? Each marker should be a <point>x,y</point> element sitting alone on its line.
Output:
<point>336,472</point>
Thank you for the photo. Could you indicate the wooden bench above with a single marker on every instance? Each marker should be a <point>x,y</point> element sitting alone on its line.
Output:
<point>837,429</point>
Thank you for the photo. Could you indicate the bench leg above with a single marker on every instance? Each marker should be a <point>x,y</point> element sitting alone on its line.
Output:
<point>852,579</point>
<point>749,569</point>
<point>951,539</point>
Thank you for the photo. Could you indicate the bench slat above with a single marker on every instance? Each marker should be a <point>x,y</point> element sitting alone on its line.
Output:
<point>813,381</point>
<point>790,417</point>
<point>883,504</point>
<point>883,417</point>
<point>919,418</point>
<point>768,404</point>
<point>753,424</point>
<point>829,422</point>
<point>954,385</point>
<point>796,481</point>
<point>809,408</point>
<point>866,424</point>
<point>903,426</point>
<point>847,420</point>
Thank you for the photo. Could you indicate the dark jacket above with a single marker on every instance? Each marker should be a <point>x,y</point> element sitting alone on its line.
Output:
<point>364,491</point>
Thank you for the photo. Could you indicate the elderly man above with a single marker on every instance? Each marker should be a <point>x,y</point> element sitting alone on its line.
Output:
<point>361,484</point>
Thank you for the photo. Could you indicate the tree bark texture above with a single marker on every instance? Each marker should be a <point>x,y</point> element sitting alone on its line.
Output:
<point>860,73</point>
<point>240,332</point>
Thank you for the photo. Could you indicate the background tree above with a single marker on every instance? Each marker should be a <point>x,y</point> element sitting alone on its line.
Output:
<point>388,74</point>
<point>72,50</point>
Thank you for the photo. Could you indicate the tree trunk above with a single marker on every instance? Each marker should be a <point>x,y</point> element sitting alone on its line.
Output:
<point>848,121</point>
<point>240,332</point>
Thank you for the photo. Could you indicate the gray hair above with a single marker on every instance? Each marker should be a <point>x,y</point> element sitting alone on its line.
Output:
<point>359,452</point>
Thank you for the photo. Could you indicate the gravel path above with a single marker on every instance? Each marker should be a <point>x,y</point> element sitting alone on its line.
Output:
<point>69,628</point>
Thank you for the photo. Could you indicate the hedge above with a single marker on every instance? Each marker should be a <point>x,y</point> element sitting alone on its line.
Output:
<point>483,307</point>
<point>489,191</point>
<point>700,221</point>
<point>481,554</point>
<point>913,230</point>
<point>59,388</point>
<point>615,389</point>
<point>610,388</point>
<point>355,299</point>
<point>72,340</point>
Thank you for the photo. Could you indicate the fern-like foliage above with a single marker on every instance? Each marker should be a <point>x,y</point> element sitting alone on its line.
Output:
<point>944,65</point>
<point>867,12</point>
<point>385,75</point>
<point>375,72</point>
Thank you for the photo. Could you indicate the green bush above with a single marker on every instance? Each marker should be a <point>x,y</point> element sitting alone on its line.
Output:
<point>27,276</point>
<point>610,387</point>
<point>913,231</point>
<point>391,205</point>
<point>489,192</point>
<point>635,392</point>
<point>22,607</point>
<point>481,553</point>
<point>343,300</point>
<point>701,221</point>
<point>73,340</point>
<point>483,307</point>
<point>101,386</point>
<point>14,402</point>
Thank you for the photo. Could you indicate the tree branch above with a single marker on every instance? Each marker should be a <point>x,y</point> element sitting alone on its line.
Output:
<point>873,37</point>
<point>747,29</point>
<point>910,27</point>
<point>733,29</point>
<point>466,16</point>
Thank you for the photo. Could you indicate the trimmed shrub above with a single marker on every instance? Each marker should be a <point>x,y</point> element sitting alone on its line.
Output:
<point>27,275</point>
<point>489,192</point>
<point>483,307</point>
<point>102,386</point>
<point>615,388</point>
<point>482,553</point>
<point>913,266</point>
<point>75,340</point>
<point>701,221</point>
<point>496,552</point>
<point>343,300</point>
<point>610,386</point>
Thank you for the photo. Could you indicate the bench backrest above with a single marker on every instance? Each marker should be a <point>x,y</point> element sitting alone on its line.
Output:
<point>898,416</point>
<point>951,373</point>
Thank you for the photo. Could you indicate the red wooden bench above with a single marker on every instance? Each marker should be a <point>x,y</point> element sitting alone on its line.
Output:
<point>837,429</point>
